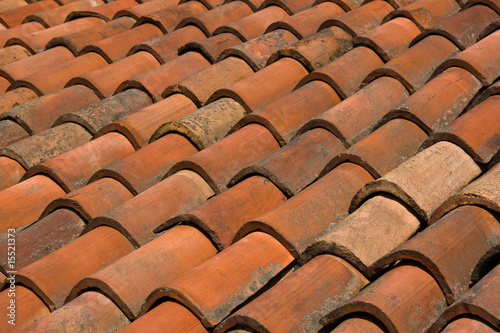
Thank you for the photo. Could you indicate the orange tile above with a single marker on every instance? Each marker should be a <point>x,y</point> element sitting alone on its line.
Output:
<point>12,54</point>
<point>105,12</point>
<point>52,17</point>
<point>10,172</point>
<point>15,16</point>
<point>212,47</point>
<point>145,8</point>
<point>19,31</point>
<point>359,324</point>
<point>11,99</point>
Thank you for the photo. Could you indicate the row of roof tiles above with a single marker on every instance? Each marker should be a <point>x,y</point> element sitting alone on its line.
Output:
<point>179,226</point>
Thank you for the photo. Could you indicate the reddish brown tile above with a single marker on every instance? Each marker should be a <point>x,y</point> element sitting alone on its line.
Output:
<point>52,17</point>
<point>361,20</point>
<point>10,172</point>
<point>104,81</point>
<point>75,42</point>
<point>151,266</point>
<point>92,312</point>
<point>253,25</point>
<point>12,54</point>
<point>284,116</point>
<point>426,13</point>
<point>450,166</point>
<point>23,203</point>
<point>212,19</point>
<point>19,31</point>
<point>72,169</point>
<point>92,200</point>
<point>145,8</point>
<point>76,260</point>
<point>156,80</point>
<point>105,12</point>
<point>53,79</point>
<point>308,154</point>
<point>214,288</point>
<point>35,63</point>
<point>258,90</point>
<point>390,39</point>
<point>369,233</point>
<point>140,126</point>
<point>11,4</point>
<point>222,74</point>
<point>147,166</point>
<point>39,114</point>
<point>182,320</point>
<point>43,237</point>
<point>36,41</point>
<point>384,149</point>
<point>223,215</point>
<point>346,73</point>
<point>116,47</point>
<point>414,67</point>
<point>43,146</point>
<point>301,299</point>
<point>406,299</point>
<point>439,101</point>
<point>4,84</point>
<point>317,50</point>
<point>290,6</point>
<point>292,222</point>
<point>481,192</point>
<point>167,19</point>
<point>435,248</point>
<point>183,191</point>
<point>476,131</point>
<point>13,98</point>
<point>165,47</point>
<point>480,59</point>
<point>15,16</point>
<point>212,47</point>
<point>244,147</point>
<point>366,106</point>
<point>359,323</point>
<point>257,51</point>
<point>467,325</point>
<point>95,116</point>
<point>33,309</point>
<point>480,301</point>
<point>477,18</point>
<point>11,132</point>
<point>307,22</point>
<point>207,125</point>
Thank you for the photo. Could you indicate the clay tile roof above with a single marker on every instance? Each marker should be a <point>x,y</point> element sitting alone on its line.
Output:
<point>250,165</point>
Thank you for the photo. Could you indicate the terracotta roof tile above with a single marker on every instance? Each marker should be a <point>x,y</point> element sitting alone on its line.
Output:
<point>167,19</point>
<point>106,11</point>
<point>117,46</point>
<point>15,16</point>
<point>214,288</point>
<point>145,8</point>
<point>147,166</point>
<point>222,105</point>
<point>39,114</point>
<point>452,169</point>
<point>52,17</point>
<point>480,302</point>
<point>43,237</point>
<point>463,325</point>
<point>76,260</point>
<point>92,200</point>
<point>35,309</point>
<point>93,311</point>
<point>165,47</point>
<point>100,114</point>
<point>169,256</point>
<point>451,272</point>
<point>36,42</point>
<point>207,125</point>
<point>184,191</point>
<point>405,299</point>
<point>253,25</point>
<point>307,22</point>
<point>75,42</point>
<point>245,201</point>
<point>11,4</point>
<point>301,299</point>
<point>481,192</point>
